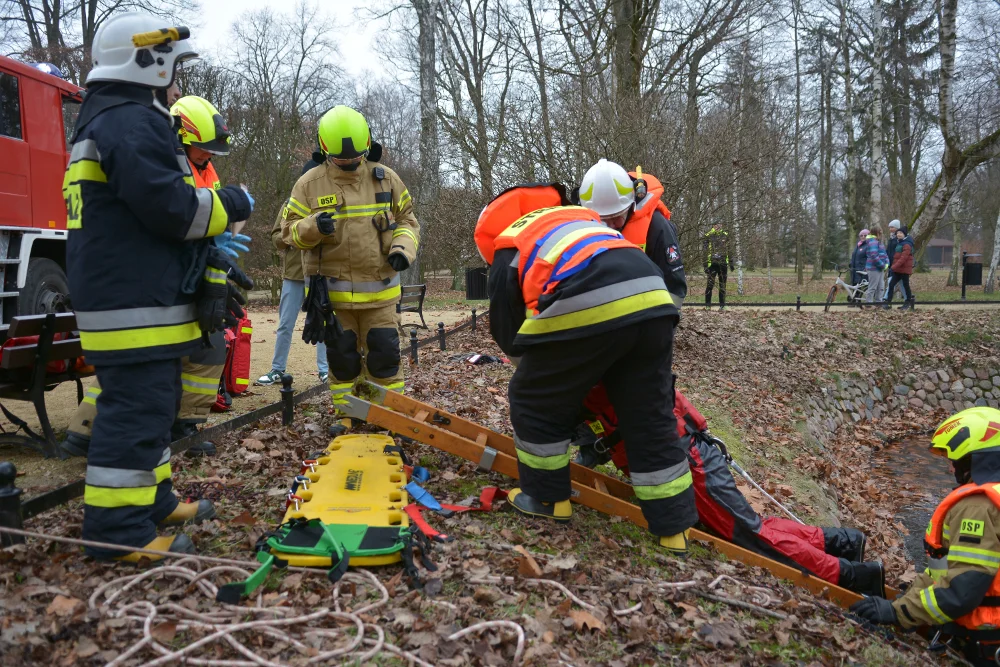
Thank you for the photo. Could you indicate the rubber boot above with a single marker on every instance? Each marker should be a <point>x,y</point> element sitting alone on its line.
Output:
<point>180,544</point>
<point>75,445</point>
<point>184,429</point>
<point>708,303</point>
<point>847,543</point>
<point>193,512</point>
<point>722,303</point>
<point>559,512</point>
<point>343,425</point>
<point>676,545</point>
<point>589,457</point>
<point>863,578</point>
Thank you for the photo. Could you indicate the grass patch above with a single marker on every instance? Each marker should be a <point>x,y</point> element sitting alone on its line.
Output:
<point>969,337</point>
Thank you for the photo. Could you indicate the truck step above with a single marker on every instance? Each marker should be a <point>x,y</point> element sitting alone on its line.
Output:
<point>10,261</point>
<point>4,295</point>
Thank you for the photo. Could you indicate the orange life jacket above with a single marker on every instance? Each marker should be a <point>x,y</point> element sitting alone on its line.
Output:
<point>205,178</point>
<point>636,229</point>
<point>510,205</point>
<point>982,615</point>
<point>553,244</point>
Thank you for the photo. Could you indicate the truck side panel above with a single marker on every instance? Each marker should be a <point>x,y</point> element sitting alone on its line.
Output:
<point>47,143</point>
<point>15,166</point>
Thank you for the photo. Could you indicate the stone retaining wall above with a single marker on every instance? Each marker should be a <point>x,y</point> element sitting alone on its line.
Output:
<point>851,400</point>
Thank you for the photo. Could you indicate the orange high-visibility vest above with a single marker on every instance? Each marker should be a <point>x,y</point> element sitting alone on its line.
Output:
<point>636,229</point>
<point>205,178</point>
<point>510,205</point>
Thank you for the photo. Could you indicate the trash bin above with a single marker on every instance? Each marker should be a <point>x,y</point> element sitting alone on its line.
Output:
<point>475,284</point>
<point>974,273</point>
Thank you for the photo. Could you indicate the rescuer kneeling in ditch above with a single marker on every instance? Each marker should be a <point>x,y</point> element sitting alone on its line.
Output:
<point>959,592</point>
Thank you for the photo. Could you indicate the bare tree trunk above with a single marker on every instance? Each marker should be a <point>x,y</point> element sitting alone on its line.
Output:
<point>878,160</point>
<point>852,153</point>
<point>988,286</point>
<point>541,76</point>
<point>825,150</point>
<point>800,257</point>
<point>956,163</point>
<point>956,252</point>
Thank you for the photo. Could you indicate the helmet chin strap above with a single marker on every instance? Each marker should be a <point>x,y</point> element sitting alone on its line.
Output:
<point>963,470</point>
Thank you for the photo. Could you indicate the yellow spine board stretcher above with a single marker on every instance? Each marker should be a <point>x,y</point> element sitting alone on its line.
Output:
<point>494,451</point>
<point>346,507</point>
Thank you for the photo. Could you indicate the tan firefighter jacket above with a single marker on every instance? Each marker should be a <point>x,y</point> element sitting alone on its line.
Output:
<point>374,218</point>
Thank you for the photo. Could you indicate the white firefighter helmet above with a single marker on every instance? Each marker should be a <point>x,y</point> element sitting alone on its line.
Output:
<point>607,189</point>
<point>139,48</point>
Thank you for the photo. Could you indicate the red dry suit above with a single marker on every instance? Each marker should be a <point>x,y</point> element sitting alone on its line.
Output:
<point>722,509</point>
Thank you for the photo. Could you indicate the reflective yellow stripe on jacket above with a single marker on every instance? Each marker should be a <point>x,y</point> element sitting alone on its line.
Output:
<point>84,165</point>
<point>133,328</point>
<point>345,291</point>
<point>599,305</point>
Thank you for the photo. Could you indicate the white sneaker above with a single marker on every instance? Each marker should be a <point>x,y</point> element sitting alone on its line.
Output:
<point>272,377</point>
<point>324,377</point>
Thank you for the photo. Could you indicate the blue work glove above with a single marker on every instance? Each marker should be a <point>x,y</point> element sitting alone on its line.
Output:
<point>232,244</point>
<point>250,197</point>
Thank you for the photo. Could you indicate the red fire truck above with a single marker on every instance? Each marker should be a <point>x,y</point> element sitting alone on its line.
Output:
<point>37,115</point>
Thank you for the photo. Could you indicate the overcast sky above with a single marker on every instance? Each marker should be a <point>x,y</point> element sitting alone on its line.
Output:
<point>354,35</point>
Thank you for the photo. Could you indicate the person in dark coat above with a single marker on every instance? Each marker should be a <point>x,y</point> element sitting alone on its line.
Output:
<point>902,269</point>
<point>858,259</point>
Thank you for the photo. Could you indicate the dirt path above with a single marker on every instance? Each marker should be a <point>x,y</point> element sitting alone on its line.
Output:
<point>39,473</point>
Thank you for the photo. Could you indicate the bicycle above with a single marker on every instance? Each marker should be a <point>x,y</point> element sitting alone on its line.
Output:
<point>855,293</point>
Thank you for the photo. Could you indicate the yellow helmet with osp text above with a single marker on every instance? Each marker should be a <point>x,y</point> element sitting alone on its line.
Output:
<point>972,430</point>
<point>202,126</point>
<point>343,134</point>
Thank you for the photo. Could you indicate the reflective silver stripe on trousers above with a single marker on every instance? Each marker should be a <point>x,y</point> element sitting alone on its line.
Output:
<point>547,449</point>
<point>93,392</point>
<point>117,478</point>
<point>358,288</point>
<point>566,230</point>
<point>84,150</point>
<point>203,385</point>
<point>603,295</point>
<point>136,318</point>
<point>199,226</point>
<point>662,476</point>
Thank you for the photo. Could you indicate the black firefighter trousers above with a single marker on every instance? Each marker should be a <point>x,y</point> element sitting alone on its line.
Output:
<point>128,489</point>
<point>546,398</point>
<point>722,271</point>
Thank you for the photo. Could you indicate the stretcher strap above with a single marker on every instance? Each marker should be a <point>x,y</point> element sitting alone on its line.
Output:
<point>489,495</point>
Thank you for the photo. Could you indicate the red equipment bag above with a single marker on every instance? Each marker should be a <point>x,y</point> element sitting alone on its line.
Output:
<point>237,372</point>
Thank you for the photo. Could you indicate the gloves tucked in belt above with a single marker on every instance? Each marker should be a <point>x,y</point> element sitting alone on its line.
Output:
<point>322,325</point>
<point>876,610</point>
<point>219,304</point>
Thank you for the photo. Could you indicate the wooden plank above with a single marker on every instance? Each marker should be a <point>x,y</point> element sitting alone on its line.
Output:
<point>590,497</point>
<point>502,443</point>
<point>23,356</point>
<point>600,486</point>
<point>421,416</point>
<point>481,439</point>
<point>31,325</point>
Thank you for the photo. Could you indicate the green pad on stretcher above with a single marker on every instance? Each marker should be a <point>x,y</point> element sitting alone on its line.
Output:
<point>350,510</point>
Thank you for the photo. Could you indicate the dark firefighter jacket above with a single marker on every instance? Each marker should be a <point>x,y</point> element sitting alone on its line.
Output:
<point>132,213</point>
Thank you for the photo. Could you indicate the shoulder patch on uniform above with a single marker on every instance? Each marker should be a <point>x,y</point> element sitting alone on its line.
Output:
<point>971,527</point>
<point>673,254</point>
<point>327,200</point>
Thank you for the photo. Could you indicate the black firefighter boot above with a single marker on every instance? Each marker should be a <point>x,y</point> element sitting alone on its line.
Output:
<point>847,543</point>
<point>863,578</point>
<point>184,429</point>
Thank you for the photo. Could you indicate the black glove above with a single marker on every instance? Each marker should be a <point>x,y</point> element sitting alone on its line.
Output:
<point>325,223</point>
<point>707,267</point>
<point>875,610</point>
<point>398,261</point>
<point>333,330</point>
<point>317,307</point>
<point>234,305</point>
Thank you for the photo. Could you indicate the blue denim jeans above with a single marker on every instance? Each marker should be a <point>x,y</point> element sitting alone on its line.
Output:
<point>293,292</point>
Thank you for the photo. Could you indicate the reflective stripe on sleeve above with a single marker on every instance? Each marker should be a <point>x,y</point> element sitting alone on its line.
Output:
<point>407,232</point>
<point>929,602</point>
<point>210,219</point>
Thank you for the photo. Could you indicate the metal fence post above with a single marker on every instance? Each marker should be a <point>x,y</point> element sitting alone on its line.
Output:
<point>965,258</point>
<point>441,339</point>
<point>798,302</point>
<point>10,504</point>
<point>473,319</point>
<point>413,346</point>
<point>287,405</point>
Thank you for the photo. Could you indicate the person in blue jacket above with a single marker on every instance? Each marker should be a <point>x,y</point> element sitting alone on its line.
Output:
<point>147,286</point>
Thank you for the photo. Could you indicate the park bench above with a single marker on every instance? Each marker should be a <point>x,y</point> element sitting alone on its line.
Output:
<point>412,301</point>
<point>27,371</point>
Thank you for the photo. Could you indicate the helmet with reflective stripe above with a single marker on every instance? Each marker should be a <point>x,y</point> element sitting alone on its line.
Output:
<point>202,126</point>
<point>607,189</point>
<point>344,134</point>
<point>972,430</point>
<point>140,49</point>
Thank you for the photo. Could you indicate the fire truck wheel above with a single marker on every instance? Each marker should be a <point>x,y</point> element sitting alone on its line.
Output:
<point>45,290</point>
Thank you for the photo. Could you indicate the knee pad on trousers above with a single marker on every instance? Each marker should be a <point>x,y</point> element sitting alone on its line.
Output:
<point>383,352</point>
<point>344,358</point>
